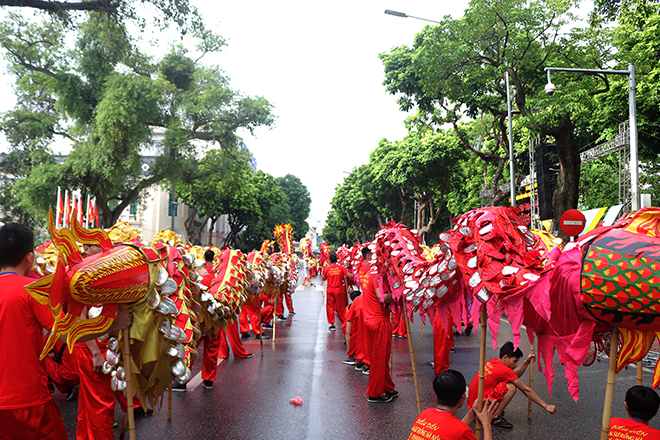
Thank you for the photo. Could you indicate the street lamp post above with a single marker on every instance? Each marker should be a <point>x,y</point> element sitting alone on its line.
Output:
<point>512,168</point>
<point>632,110</point>
<point>404,15</point>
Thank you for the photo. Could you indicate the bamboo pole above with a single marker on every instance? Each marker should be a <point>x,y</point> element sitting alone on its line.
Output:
<point>412,358</point>
<point>277,300</point>
<point>609,390</point>
<point>639,373</point>
<point>482,369</point>
<point>129,385</point>
<point>531,383</point>
<point>261,335</point>
<point>169,403</point>
<point>391,352</point>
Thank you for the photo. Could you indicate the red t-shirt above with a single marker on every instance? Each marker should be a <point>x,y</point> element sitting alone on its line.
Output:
<point>374,310</point>
<point>23,383</point>
<point>630,429</point>
<point>439,424</point>
<point>363,272</point>
<point>209,267</point>
<point>207,279</point>
<point>336,276</point>
<point>496,376</point>
<point>354,310</point>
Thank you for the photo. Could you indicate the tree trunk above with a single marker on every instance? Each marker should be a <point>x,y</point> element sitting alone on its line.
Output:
<point>213,220</point>
<point>568,180</point>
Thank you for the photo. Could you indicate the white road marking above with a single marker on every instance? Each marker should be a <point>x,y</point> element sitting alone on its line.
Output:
<point>197,380</point>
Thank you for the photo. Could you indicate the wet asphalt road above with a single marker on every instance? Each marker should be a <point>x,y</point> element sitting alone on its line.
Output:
<point>250,399</point>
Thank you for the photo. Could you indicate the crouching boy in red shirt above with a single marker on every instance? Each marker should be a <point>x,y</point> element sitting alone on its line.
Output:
<point>502,379</point>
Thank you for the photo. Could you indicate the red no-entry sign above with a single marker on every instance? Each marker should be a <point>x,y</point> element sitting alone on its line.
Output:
<point>572,222</point>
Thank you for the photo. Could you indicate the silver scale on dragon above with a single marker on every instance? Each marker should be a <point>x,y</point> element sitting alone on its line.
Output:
<point>170,331</point>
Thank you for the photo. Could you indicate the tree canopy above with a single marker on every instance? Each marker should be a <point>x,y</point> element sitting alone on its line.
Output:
<point>110,101</point>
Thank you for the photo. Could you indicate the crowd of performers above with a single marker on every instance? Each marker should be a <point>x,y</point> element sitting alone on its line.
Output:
<point>370,319</point>
<point>87,362</point>
<point>181,299</point>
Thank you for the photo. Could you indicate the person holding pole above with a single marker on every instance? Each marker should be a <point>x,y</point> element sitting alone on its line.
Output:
<point>502,379</point>
<point>441,421</point>
<point>378,339</point>
<point>336,301</point>
<point>27,410</point>
<point>642,405</point>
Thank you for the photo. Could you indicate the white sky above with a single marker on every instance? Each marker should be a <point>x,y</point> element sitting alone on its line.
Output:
<point>318,64</point>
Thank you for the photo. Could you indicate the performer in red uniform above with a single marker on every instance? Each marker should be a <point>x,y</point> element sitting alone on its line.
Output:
<point>441,422</point>
<point>283,295</point>
<point>642,405</point>
<point>354,332</point>
<point>27,410</point>
<point>501,379</point>
<point>336,298</point>
<point>442,344</point>
<point>61,370</point>
<point>96,400</point>
<point>399,323</point>
<point>250,315</point>
<point>208,260</point>
<point>379,340</point>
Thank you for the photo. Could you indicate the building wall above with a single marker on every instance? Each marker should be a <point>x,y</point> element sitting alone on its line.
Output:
<point>153,216</point>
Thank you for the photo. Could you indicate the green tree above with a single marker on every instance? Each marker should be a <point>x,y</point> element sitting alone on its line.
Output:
<point>299,202</point>
<point>107,99</point>
<point>254,210</point>
<point>206,187</point>
<point>422,169</point>
<point>181,12</point>
<point>457,69</point>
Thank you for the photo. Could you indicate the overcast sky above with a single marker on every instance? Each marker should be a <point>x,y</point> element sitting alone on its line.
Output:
<point>317,63</point>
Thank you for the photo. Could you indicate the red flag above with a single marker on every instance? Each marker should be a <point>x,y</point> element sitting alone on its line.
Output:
<point>80,210</point>
<point>59,208</point>
<point>90,212</point>
<point>96,214</point>
<point>67,210</point>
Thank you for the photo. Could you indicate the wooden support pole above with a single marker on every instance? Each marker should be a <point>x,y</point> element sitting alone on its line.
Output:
<point>531,384</point>
<point>391,351</point>
<point>129,385</point>
<point>609,390</point>
<point>169,403</point>
<point>482,369</point>
<point>277,300</point>
<point>639,373</point>
<point>261,335</point>
<point>412,358</point>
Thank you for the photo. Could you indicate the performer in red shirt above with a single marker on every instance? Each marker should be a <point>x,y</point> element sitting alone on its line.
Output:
<point>379,339</point>
<point>441,422</point>
<point>27,410</point>
<point>501,379</point>
<point>209,255</point>
<point>442,344</point>
<point>399,323</point>
<point>642,405</point>
<point>365,267</point>
<point>354,330</point>
<point>96,400</point>
<point>336,298</point>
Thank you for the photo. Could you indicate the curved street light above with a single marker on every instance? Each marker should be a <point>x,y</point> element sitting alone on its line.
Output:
<point>404,15</point>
